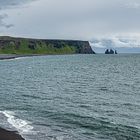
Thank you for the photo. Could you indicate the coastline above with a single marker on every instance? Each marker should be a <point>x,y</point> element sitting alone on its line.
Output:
<point>13,56</point>
<point>9,135</point>
<point>7,56</point>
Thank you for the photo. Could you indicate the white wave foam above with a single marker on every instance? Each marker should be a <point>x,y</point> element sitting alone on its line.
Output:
<point>23,57</point>
<point>21,125</point>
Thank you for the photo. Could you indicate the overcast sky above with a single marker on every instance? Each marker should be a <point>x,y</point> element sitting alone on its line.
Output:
<point>70,19</point>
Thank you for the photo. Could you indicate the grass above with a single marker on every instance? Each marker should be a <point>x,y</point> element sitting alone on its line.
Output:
<point>38,48</point>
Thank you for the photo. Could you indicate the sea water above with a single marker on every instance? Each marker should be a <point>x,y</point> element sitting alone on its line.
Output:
<point>71,97</point>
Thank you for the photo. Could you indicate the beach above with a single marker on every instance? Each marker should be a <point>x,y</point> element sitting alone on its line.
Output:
<point>8,56</point>
<point>9,135</point>
<point>13,56</point>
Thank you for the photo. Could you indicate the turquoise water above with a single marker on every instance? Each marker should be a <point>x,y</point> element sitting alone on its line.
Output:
<point>71,97</point>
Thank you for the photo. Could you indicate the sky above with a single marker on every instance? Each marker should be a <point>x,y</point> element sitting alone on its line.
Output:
<point>73,19</point>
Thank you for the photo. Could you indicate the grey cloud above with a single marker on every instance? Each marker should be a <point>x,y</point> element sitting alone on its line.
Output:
<point>10,3</point>
<point>116,42</point>
<point>5,4</point>
<point>2,23</point>
<point>76,19</point>
<point>93,16</point>
<point>121,44</point>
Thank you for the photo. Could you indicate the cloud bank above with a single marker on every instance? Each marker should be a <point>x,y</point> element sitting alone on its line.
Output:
<point>116,42</point>
<point>72,19</point>
<point>121,44</point>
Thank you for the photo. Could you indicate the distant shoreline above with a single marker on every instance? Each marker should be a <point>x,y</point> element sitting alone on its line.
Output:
<point>9,135</point>
<point>13,56</point>
<point>7,56</point>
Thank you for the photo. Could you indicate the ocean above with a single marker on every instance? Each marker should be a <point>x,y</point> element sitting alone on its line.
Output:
<point>71,97</point>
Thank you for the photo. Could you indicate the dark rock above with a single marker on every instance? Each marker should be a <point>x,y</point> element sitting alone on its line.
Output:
<point>110,51</point>
<point>107,52</point>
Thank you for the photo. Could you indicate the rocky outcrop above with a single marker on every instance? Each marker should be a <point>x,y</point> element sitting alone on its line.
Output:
<point>110,51</point>
<point>43,46</point>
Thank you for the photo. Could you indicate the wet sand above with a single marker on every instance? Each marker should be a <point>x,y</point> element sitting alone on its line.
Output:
<point>9,135</point>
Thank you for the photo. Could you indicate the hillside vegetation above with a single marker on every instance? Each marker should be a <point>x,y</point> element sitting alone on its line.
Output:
<point>10,45</point>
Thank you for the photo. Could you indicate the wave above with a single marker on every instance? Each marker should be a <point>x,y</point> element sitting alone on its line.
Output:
<point>20,125</point>
<point>103,127</point>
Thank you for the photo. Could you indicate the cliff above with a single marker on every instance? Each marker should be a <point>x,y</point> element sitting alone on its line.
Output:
<point>11,45</point>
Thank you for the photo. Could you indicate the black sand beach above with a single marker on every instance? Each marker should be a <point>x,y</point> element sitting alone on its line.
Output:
<point>13,56</point>
<point>7,56</point>
<point>9,135</point>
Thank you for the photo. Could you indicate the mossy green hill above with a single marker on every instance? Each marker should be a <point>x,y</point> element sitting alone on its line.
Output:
<point>11,45</point>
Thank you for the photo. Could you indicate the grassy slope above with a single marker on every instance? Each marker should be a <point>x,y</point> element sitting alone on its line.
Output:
<point>9,45</point>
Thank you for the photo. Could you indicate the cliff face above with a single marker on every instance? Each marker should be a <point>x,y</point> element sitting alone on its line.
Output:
<point>43,46</point>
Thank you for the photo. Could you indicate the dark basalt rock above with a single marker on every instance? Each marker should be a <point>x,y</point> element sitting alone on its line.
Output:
<point>110,51</point>
<point>107,52</point>
<point>9,135</point>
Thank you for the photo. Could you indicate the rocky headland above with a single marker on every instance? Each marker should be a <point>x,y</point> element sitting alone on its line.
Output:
<point>27,46</point>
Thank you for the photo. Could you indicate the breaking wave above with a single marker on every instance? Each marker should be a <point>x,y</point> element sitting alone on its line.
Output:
<point>20,125</point>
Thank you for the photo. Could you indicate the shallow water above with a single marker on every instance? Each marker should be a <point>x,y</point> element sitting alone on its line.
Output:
<point>72,97</point>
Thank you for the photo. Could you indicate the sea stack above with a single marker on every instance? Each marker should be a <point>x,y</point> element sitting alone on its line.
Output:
<point>111,51</point>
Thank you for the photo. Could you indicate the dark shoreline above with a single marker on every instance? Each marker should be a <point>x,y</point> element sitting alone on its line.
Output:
<point>13,56</point>
<point>9,135</point>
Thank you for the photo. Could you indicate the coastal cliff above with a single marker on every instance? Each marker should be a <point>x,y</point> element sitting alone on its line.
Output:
<point>11,45</point>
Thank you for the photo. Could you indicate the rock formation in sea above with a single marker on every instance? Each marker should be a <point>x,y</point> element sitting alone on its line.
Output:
<point>11,45</point>
<point>111,51</point>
